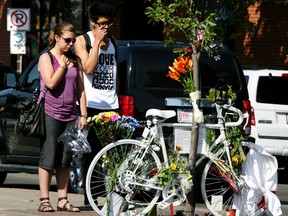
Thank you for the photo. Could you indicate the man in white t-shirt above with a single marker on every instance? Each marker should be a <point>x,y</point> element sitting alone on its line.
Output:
<point>98,52</point>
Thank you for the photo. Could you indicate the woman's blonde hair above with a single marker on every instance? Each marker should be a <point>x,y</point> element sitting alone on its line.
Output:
<point>59,29</point>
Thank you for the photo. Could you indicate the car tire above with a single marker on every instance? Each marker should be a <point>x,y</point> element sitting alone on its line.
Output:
<point>3,175</point>
<point>76,175</point>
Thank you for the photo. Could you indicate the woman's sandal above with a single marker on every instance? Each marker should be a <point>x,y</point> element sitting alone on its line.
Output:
<point>45,206</point>
<point>67,206</point>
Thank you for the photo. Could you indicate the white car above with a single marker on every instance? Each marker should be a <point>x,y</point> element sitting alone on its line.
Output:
<point>268,93</point>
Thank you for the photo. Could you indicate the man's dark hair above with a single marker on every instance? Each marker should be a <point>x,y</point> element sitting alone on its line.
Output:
<point>102,8</point>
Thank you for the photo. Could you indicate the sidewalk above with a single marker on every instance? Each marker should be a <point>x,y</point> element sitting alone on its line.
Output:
<point>23,202</point>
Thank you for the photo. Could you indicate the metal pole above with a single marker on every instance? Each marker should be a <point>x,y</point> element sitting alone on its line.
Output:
<point>19,64</point>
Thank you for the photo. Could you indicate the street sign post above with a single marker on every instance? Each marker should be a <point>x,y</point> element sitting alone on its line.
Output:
<point>18,22</point>
<point>18,19</point>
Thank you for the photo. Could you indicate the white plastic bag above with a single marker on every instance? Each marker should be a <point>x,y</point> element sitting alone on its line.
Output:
<point>75,140</point>
<point>260,173</point>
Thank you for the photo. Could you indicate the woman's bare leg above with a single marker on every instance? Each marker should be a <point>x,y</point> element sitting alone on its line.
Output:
<point>62,187</point>
<point>44,183</point>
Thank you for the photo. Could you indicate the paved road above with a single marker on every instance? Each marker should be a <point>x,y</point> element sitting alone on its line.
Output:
<point>19,196</point>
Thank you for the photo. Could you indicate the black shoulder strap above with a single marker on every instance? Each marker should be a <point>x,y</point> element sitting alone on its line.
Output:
<point>88,42</point>
<point>51,56</point>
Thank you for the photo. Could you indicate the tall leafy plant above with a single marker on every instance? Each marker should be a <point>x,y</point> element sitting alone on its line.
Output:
<point>204,24</point>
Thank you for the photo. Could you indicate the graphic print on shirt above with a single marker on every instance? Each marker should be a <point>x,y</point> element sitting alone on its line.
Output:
<point>103,76</point>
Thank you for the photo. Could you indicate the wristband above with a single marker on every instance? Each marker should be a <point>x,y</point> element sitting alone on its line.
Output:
<point>84,116</point>
<point>62,66</point>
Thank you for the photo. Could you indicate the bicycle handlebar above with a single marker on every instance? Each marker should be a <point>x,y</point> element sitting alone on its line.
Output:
<point>228,124</point>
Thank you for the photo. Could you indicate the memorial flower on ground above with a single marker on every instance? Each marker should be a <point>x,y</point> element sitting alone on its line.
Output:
<point>178,169</point>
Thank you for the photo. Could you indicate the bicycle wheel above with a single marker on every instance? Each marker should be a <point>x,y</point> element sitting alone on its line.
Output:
<point>218,190</point>
<point>121,179</point>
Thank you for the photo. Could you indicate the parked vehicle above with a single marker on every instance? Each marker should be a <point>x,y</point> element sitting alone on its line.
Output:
<point>143,66</point>
<point>268,95</point>
<point>222,69</point>
<point>7,77</point>
<point>21,153</point>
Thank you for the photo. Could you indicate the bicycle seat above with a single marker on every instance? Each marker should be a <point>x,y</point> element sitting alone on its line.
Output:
<point>164,114</point>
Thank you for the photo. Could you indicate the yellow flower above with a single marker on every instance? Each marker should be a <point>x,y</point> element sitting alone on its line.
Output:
<point>173,166</point>
<point>235,161</point>
<point>179,148</point>
<point>181,170</point>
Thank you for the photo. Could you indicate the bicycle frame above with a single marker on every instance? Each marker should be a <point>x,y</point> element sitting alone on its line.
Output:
<point>156,131</point>
<point>138,155</point>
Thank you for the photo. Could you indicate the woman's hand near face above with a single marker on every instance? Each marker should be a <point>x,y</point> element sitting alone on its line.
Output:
<point>64,61</point>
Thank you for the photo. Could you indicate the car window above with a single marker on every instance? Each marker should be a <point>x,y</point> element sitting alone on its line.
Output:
<point>32,80</point>
<point>213,69</point>
<point>11,79</point>
<point>246,79</point>
<point>272,90</point>
<point>152,69</point>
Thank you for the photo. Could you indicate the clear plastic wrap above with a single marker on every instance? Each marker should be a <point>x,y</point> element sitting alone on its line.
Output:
<point>75,140</point>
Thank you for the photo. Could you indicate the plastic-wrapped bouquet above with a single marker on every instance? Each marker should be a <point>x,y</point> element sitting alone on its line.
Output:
<point>110,126</point>
<point>75,140</point>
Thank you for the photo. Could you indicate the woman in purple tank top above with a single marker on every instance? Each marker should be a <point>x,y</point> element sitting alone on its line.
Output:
<point>61,72</point>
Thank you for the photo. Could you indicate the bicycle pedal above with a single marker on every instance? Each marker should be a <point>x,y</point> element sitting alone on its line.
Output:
<point>163,205</point>
<point>155,148</point>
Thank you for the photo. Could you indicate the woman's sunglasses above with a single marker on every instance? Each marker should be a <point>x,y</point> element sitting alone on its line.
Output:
<point>69,40</point>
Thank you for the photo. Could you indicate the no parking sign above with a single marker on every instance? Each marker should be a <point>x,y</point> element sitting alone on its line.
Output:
<point>18,22</point>
<point>18,19</point>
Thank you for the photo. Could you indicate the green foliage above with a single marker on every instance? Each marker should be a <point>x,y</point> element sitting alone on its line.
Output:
<point>208,19</point>
<point>215,94</point>
<point>178,168</point>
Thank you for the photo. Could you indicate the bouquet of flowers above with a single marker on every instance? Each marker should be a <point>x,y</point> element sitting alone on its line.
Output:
<point>182,71</point>
<point>110,126</point>
<point>178,169</point>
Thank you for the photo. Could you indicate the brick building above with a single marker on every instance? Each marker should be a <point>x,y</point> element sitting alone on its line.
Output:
<point>266,47</point>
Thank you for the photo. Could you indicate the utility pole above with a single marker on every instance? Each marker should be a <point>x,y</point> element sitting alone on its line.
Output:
<point>191,196</point>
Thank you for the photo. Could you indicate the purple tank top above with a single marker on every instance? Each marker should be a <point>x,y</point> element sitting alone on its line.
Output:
<point>60,102</point>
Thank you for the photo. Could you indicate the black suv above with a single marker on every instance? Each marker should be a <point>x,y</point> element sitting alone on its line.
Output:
<point>143,66</point>
<point>144,83</point>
